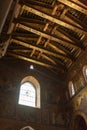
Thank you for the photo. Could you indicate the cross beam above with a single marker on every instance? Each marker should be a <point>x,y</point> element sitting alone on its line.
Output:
<point>43,34</point>
<point>53,19</point>
<point>74,6</point>
<point>35,61</point>
<point>38,48</point>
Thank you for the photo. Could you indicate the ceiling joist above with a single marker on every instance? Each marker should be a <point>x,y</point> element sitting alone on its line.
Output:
<point>38,48</point>
<point>36,62</point>
<point>50,33</point>
<point>53,19</point>
<point>45,35</point>
<point>74,6</point>
<point>30,20</point>
<point>49,59</point>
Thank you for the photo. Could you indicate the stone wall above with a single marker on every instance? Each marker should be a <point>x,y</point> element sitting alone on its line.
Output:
<point>78,102</point>
<point>14,116</point>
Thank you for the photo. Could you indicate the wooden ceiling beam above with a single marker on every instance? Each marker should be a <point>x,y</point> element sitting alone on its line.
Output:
<point>36,62</point>
<point>20,50</point>
<point>44,56</point>
<point>29,20</point>
<point>73,5</point>
<point>78,42</point>
<point>53,19</point>
<point>25,38</point>
<point>45,35</point>
<point>56,62</point>
<point>17,34</point>
<point>57,48</point>
<point>34,2</point>
<point>48,58</point>
<point>38,48</point>
<point>47,24</point>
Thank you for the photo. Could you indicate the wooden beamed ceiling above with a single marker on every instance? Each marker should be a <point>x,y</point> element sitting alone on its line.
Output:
<point>51,33</point>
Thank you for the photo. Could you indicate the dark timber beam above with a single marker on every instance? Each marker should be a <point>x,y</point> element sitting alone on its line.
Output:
<point>17,34</point>
<point>74,6</point>
<point>30,20</point>
<point>45,35</point>
<point>58,47</point>
<point>79,43</point>
<point>38,48</point>
<point>39,3</point>
<point>36,62</point>
<point>52,19</point>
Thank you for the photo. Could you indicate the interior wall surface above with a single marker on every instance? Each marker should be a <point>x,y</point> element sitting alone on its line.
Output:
<point>77,104</point>
<point>14,116</point>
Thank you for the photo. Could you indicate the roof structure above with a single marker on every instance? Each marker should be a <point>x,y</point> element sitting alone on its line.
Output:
<point>49,33</point>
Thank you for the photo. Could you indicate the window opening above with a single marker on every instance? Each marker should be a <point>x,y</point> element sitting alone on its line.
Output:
<point>85,72</point>
<point>71,89</point>
<point>27,94</point>
<point>27,128</point>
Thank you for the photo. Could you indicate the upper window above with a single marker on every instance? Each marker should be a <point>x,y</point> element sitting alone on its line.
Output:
<point>71,89</point>
<point>29,92</point>
<point>85,72</point>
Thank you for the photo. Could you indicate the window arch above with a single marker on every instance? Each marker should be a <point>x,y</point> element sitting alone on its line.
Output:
<point>71,89</point>
<point>27,128</point>
<point>29,92</point>
<point>85,72</point>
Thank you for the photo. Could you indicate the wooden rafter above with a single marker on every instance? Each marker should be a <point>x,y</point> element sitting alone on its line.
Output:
<point>49,59</point>
<point>25,38</point>
<point>38,48</point>
<point>37,62</point>
<point>50,34</point>
<point>29,20</point>
<point>62,48</point>
<point>78,42</point>
<point>34,2</point>
<point>45,35</point>
<point>26,35</point>
<point>53,19</point>
<point>74,6</point>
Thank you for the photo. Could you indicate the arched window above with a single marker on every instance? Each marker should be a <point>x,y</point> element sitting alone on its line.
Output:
<point>85,72</point>
<point>29,92</point>
<point>27,128</point>
<point>71,89</point>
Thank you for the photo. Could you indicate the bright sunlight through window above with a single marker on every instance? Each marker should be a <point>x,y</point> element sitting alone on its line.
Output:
<point>27,94</point>
<point>71,89</point>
